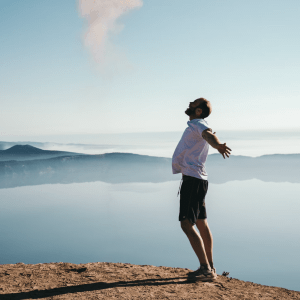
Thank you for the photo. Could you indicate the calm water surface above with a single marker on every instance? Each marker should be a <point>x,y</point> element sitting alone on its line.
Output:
<point>255,227</point>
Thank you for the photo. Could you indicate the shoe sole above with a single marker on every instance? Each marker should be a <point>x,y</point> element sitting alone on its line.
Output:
<point>203,279</point>
<point>191,274</point>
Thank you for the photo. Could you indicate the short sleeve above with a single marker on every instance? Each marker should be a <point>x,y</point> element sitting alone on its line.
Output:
<point>202,125</point>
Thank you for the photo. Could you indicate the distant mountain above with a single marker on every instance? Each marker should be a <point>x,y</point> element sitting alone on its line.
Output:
<point>270,168</point>
<point>23,149</point>
<point>28,152</point>
<point>6,145</point>
<point>111,167</point>
<point>126,167</point>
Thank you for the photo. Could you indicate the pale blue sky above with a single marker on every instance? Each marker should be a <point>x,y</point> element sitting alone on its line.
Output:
<point>243,56</point>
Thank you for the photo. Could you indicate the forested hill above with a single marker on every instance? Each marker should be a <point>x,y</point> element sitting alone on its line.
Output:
<point>28,152</point>
<point>127,167</point>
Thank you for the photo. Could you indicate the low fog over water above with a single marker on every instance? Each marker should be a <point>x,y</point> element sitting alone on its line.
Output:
<point>162,144</point>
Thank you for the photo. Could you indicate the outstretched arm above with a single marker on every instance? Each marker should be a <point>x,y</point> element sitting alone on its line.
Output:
<point>213,140</point>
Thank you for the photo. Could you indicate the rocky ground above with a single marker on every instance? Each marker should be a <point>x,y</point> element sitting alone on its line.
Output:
<point>123,281</point>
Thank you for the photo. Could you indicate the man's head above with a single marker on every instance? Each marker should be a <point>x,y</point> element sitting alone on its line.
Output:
<point>199,109</point>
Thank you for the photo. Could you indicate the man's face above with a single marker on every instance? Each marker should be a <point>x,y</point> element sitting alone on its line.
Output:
<point>192,107</point>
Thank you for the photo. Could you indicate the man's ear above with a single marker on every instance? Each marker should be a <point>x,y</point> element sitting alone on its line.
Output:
<point>198,111</point>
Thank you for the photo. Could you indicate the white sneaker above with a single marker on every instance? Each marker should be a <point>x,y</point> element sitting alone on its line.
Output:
<point>203,274</point>
<point>214,271</point>
<point>195,272</point>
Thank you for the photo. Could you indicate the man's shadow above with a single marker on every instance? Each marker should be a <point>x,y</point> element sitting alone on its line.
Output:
<point>93,287</point>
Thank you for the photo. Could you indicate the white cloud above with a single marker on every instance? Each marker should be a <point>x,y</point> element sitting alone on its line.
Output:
<point>102,16</point>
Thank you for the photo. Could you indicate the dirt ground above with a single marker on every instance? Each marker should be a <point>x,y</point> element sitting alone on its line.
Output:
<point>123,281</point>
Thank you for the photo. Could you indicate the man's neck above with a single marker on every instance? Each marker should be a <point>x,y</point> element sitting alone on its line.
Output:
<point>194,117</point>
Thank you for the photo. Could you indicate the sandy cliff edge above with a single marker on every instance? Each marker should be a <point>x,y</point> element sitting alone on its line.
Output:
<point>123,281</point>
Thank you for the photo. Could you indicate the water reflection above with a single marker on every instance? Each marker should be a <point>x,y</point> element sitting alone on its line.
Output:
<point>126,167</point>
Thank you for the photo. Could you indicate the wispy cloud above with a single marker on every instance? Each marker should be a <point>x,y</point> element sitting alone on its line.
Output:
<point>102,16</point>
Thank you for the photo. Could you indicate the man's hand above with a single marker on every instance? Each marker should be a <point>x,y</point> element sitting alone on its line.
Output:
<point>213,140</point>
<point>224,150</point>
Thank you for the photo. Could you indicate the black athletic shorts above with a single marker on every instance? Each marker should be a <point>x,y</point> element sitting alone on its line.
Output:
<point>192,199</point>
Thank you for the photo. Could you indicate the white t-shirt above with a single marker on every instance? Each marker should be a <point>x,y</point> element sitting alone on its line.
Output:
<point>191,152</point>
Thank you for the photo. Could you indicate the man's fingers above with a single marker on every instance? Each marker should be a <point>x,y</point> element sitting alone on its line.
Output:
<point>227,147</point>
<point>224,150</point>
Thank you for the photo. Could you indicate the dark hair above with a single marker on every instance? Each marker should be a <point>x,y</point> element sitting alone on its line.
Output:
<point>205,108</point>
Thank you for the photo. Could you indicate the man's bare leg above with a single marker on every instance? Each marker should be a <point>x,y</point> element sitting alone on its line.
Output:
<point>196,241</point>
<point>206,235</point>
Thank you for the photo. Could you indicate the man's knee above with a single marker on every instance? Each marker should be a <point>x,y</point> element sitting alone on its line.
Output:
<point>186,226</point>
<point>202,225</point>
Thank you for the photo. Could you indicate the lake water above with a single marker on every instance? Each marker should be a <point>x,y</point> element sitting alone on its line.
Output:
<point>255,226</point>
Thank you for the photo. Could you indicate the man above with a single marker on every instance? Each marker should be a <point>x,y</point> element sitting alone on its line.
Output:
<point>189,159</point>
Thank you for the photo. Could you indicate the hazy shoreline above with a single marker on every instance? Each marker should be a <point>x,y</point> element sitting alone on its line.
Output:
<point>252,143</point>
<point>129,167</point>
